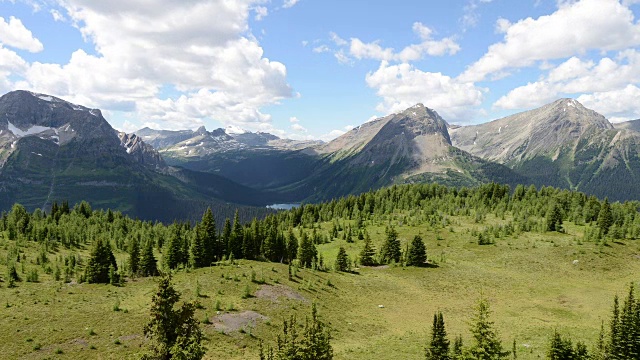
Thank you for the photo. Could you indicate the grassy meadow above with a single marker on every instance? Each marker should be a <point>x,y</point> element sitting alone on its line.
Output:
<point>532,281</point>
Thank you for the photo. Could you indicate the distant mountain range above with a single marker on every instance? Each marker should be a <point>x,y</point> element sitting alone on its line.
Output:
<point>52,150</point>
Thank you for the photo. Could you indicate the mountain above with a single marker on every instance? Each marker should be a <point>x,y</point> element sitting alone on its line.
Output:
<point>52,150</point>
<point>560,144</point>
<point>411,146</point>
<point>628,125</point>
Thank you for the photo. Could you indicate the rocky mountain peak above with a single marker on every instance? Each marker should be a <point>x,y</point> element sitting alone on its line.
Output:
<point>201,130</point>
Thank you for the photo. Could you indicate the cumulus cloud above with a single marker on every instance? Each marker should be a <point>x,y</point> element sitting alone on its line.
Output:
<point>617,105</point>
<point>14,34</point>
<point>403,85</point>
<point>261,12</point>
<point>576,76</point>
<point>289,3</point>
<point>203,49</point>
<point>471,16</point>
<point>428,46</point>
<point>298,128</point>
<point>575,28</point>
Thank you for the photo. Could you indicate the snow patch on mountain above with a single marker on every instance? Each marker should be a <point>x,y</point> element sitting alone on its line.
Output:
<point>33,130</point>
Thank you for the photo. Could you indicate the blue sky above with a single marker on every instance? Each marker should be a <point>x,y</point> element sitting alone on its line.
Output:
<point>313,69</point>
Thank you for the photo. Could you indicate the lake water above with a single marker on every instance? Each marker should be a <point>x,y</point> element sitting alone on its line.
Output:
<point>282,206</point>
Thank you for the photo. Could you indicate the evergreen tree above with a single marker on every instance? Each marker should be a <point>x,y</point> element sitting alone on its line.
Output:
<point>214,249</point>
<point>457,351</point>
<point>148,263</point>
<point>173,248</point>
<point>615,346</point>
<point>390,250</point>
<point>560,349</point>
<point>292,245</point>
<point>173,333</point>
<point>368,253</point>
<point>198,251</point>
<point>605,217</point>
<point>225,237</point>
<point>438,347</point>
<point>313,344</point>
<point>417,255</point>
<point>629,327</point>
<point>134,255</point>
<point>307,252</point>
<point>342,260</point>
<point>554,218</point>
<point>100,260</point>
<point>486,344</point>
<point>236,238</point>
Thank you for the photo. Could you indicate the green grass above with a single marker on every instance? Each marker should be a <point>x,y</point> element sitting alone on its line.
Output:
<point>531,283</point>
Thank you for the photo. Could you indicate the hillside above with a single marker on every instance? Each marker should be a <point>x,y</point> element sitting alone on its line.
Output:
<point>52,150</point>
<point>536,281</point>
<point>561,144</point>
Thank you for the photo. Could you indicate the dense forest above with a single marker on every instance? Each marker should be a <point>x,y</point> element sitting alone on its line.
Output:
<point>291,237</point>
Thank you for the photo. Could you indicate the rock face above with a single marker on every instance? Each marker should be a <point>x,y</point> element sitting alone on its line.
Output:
<point>545,131</point>
<point>144,153</point>
<point>628,125</point>
<point>561,144</point>
<point>52,150</point>
<point>417,138</point>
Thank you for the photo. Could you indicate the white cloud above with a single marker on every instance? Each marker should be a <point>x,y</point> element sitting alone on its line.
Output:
<point>621,104</point>
<point>576,76</point>
<point>471,16</point>
<point>298,128</point>
<point>294,120</point>
<point>202,48</point>
<point>289,3</point>
<point>337,39</point>
<point>428,46</point>
<point>575,28</point>
<point>321,49</point>
<point>342,58</point>
<point>14,34</point>
<point>261,12</point>
<point>402,86</point>
<point>57,15</point>
<point>331,135</point>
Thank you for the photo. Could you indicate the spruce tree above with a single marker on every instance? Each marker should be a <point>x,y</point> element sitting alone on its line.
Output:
<point>292,245</point>
<point>225,237</point>
<point>605,217</point>
<point>457,351</point>
<point>173,333</point>
<point>417,255</point>
<point>173,248</point>
<point>148,263</point>
<point>307,252</point>
<point>629,327</point>
<point>560,349</point>
<point>368,253</point>
<point>438,347</point>
<point>236,238</point>
<point>486,344</point>
<point>100,260</point>
<point>198,251</point>
<point>134,255</point>
<point>390,250</point>
<point>342,260</point>
<point>214,249</point>
<point>554,218</point>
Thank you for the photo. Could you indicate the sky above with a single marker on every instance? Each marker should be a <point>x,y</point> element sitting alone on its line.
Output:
<point>313,69</point>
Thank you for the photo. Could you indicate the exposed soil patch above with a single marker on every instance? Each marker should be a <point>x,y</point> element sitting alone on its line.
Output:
<point>276,292</point>
<point>235,322</point>
<point>129,337</point>
<point>79,341</point>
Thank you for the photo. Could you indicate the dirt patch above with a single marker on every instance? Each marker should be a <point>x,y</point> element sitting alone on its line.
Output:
<point>79,341</point>
<point>129,337</point>
<point>235,322</point>
<point>276,292</point>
